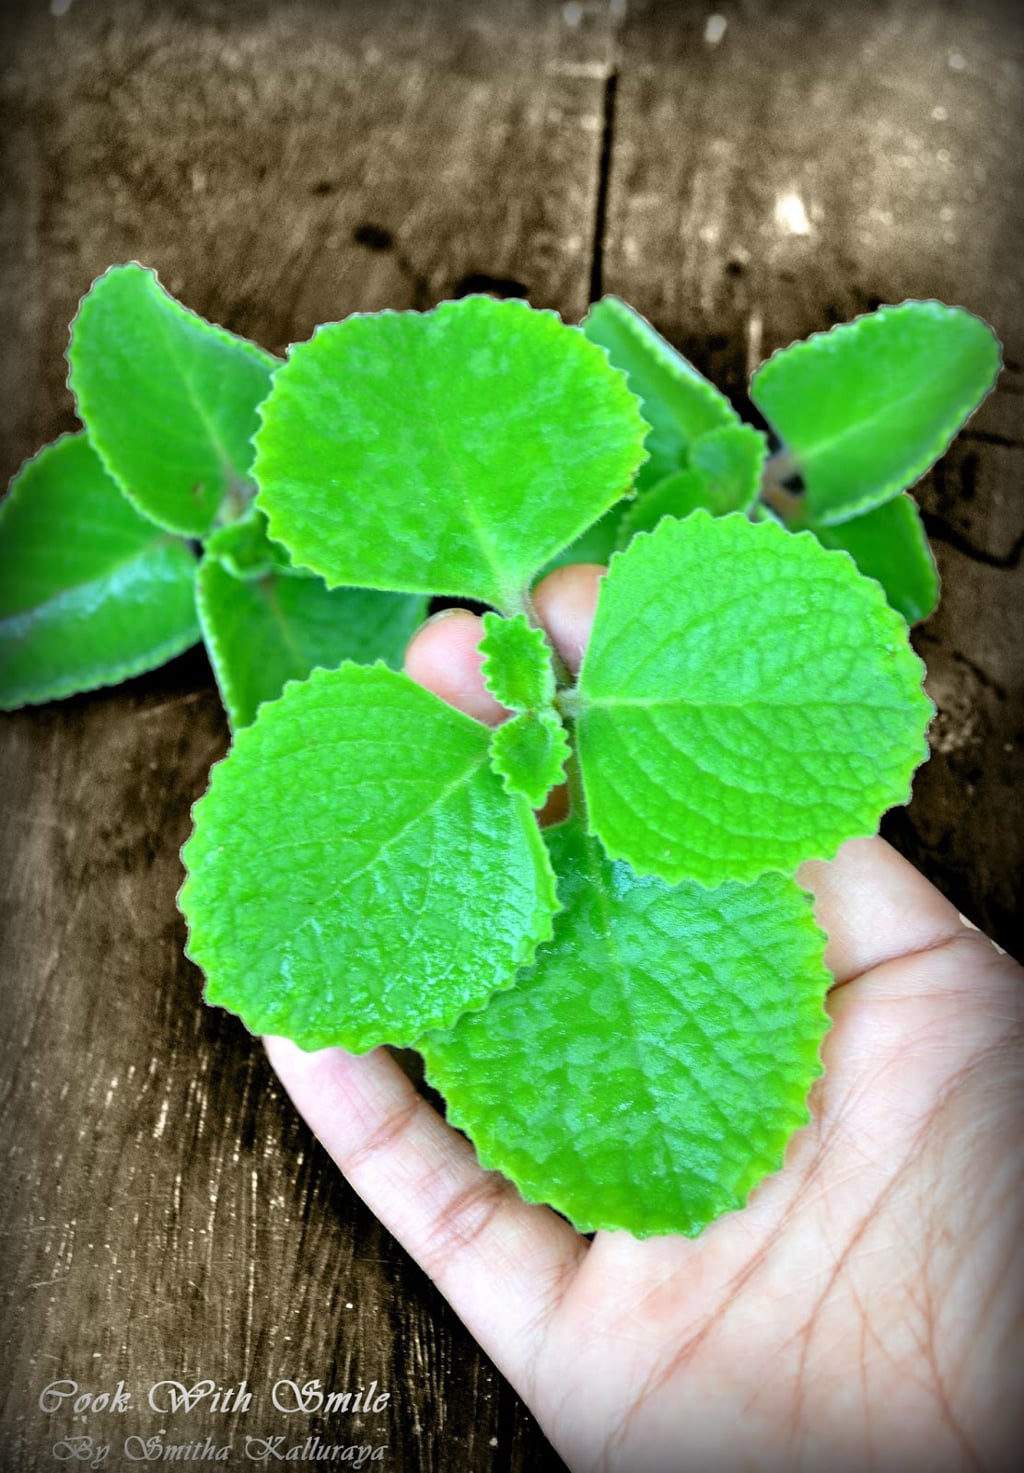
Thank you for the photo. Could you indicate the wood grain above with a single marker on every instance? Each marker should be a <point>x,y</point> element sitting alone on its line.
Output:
<point>165,1215</point>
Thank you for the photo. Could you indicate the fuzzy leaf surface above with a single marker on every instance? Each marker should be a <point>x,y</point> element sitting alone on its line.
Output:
<point>890,544</point>
<point>169,400</point>
<point>678,403</point>
<point>356,875</point>
<point>747,701</point>
<point>262,632</point>
<point>454,451</point>
<point>517,663</point>
<point>90,592</point>
<point>529,754</point>
<point>648,1070</point>
<point>866,408</point>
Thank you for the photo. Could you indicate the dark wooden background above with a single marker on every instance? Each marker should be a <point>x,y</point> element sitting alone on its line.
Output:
<point>281,164</point>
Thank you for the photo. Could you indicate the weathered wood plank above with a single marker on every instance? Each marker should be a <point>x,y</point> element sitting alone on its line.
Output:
<point>166,1215</point>
<point>785,167</point>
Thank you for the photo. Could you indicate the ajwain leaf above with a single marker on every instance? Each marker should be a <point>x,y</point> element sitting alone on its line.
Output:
<point>729,725</point>
<point>650,1067</point>
<point>169,400</point>
<point>453,451</point>
<point>529,754</point>
<point>867,407</point>
<point>90,592</point>
<point>517,663</point>
<point>356,875</point>
<point>262,631</point>
<point>678,403</point>
<point>889,543</point>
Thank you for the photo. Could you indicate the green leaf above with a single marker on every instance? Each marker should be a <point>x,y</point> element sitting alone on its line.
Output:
<point>529,754</point>
<point>676,496</point>
<point>596,544</point>
<point>724,475</point>
<point>866,408</point>
<point>356,875</point>
<point>731,463</point>
<point>90,592</point>
<point>245,551</point>
<point>747,701</point>
<point>262,632</point>
<point>889,544</point>
<point>517,663</point>
<point>454,451</point>
<point>678,403</point>
<point>168,399</point>
<point>649,1069</point>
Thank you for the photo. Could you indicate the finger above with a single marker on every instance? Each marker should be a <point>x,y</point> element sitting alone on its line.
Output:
<point>443,656</point>
<point>565,602</point>
<point>876,908</point>
<point>502,1264</point>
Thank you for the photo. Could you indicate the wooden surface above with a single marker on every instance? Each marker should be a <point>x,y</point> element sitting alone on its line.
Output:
<point>165,1215</point>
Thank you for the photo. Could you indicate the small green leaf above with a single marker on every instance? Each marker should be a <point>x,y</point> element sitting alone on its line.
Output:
<point>648,1070</point>
<point>747,701</point>
<point>866,408</point>
<point>678,403</point>
<point>517,663</point>
<point>169,400</point>
<point>245,551</point>
<point>262,632</point>
<point>731,463</point>
<point>90,592</point>
<point>453,451</point>
<point>356,875</point>
<point>676,496</point>
<point>890,544</point>
<point>529,754</point>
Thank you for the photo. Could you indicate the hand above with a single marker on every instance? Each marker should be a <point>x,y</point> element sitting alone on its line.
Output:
<point>863,1311</point>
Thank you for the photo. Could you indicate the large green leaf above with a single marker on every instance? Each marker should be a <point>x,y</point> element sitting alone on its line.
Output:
<point>90,592</point>
<point>263,631</point>
<point>889,543</point>
<point>453,451</point>
<point>356,874</point>
<point>679,404</point>
<point>747,701</point>
<point>649,1069</point>
<point>866,408</point>
<point>168,399</point>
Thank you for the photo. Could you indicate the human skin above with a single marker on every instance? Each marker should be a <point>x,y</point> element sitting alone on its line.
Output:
<point>865,1310</point>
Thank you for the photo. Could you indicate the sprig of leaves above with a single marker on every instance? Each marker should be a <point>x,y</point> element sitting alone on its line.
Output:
<point>624,1012</point>
<point>99,579</point>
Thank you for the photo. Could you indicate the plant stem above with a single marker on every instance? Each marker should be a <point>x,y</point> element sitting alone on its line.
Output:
<point>574,782</point>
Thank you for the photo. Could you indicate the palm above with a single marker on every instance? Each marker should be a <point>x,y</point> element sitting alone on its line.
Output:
<point>830,1323</point>
<point>855,1313</point>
